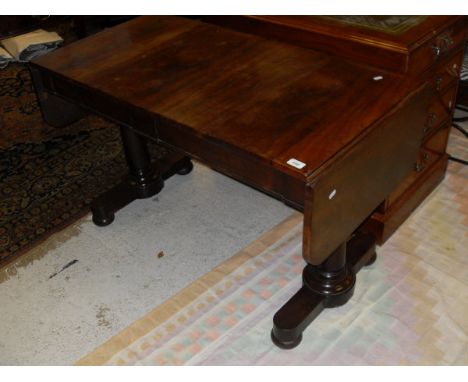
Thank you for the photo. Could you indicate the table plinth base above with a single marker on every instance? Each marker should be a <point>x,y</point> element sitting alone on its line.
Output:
<point>106,205</point>
<point>328,285</point>
<point>145,179</point>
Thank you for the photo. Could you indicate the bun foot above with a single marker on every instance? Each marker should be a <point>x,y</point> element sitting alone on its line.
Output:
<point>285,344</point>
<point>185,166</point>
<point>102,219</point>
<point>328,285</point>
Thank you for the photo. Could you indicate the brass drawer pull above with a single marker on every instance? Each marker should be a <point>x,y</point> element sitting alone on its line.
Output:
<point>443,44</point>
<point>418,167</point>
<point>431,119</point>
<point>438,82</point>
<point>447,40</point>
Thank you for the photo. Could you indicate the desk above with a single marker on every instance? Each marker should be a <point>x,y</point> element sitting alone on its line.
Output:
<point>260,111</point>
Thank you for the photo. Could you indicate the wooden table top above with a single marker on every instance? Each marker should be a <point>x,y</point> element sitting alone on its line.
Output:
<point>270,100</point>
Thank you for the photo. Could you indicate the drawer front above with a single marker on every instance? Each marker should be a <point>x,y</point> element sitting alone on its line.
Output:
<point>424,162</point>
<point>438,48</point>
<point>440,109</point>
<point>383,225</point>
<point>437,142</point>
<point>447,72</point>
<point>448,99</point>
<point>431,152</point>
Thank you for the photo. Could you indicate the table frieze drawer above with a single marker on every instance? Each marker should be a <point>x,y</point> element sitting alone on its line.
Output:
<point>84,97</point>
<point>110,108</point>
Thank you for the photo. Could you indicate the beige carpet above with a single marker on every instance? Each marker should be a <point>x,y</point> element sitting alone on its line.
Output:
<point>409,308</point>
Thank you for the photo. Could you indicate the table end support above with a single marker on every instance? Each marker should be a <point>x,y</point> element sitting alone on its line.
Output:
<point>329,285</point>
<point>144,180</point>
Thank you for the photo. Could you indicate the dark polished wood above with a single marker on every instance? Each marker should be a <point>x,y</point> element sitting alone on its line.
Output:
<point>246,106</point>
<point>144,185</point>
<point>143,181</point>
<point>396,43</point>
<point>158,86</point>
<point>327,285</point>
<point>162,73</point>
<point>426,49</point>
<point>384,225</point>
<point>367,171</point>
<point>145,178</point>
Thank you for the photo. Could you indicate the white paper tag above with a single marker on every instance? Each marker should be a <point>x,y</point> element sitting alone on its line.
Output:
<point>296,163</point>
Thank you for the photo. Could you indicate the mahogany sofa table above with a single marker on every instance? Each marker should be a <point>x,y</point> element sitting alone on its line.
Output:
<point>260,111</point>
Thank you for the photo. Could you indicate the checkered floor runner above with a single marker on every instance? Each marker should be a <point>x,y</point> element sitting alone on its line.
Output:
<point>410,307</point>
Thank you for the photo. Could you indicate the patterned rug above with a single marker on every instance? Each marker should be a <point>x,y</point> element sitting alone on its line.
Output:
<point>409,308</point>
<point>48,176</point>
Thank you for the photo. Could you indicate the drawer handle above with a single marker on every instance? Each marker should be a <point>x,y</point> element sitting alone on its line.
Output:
<point>438,82</point>
<point>431,119</point>
<point>447,40</point>
<point>443,44</point>
<point>418,167</point>
<point>453,70</point>
<point>437,51</point>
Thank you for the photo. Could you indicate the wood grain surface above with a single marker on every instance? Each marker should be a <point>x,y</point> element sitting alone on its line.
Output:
<point>246,105</point>
<point>270,100</point>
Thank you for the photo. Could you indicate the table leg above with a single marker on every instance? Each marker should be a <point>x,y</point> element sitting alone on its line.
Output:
<point>144,178</point>
<point>328,285</point>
